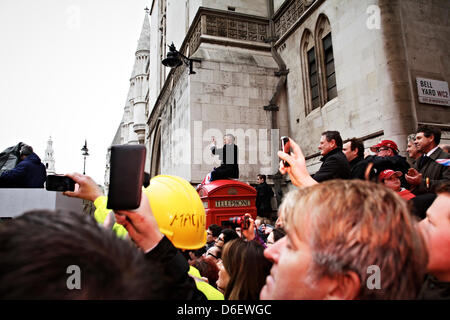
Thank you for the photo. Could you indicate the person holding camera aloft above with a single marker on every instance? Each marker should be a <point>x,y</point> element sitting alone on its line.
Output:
<point>157,233</point>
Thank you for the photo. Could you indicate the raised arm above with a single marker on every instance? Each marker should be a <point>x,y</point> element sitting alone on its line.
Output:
<point>300,177</point>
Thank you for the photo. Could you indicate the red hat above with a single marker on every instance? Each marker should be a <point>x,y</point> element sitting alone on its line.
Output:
<point>385,143</point>
<point>385,174</point>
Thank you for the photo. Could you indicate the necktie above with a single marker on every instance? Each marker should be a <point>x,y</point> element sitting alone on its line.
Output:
<point>422,161</point>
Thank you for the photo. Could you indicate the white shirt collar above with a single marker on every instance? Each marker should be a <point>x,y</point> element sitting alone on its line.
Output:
<point>431,151</point>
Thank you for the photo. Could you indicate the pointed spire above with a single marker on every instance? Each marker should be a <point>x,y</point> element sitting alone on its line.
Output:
<point>49,159</point>
<point>143,45</point>
<point>144,39</point>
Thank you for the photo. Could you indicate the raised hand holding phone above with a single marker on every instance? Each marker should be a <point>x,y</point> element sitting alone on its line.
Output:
<point>126,176</point>
<point>59,183</point>
<point>300,177</point>
<point>286,148</point>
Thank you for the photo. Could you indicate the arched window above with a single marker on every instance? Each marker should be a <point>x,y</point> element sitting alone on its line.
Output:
<point>310,72</point>
<point>325,57</point>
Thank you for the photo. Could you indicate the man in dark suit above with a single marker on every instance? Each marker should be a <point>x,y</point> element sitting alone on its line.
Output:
<point>229,167</point>
<point>428,173</point>
<point>335,165</point>
<point>264,195</point>
<point>354,151</point>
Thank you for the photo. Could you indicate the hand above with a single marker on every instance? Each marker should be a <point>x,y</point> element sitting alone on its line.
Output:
<point>249,233</point>
<point>141,225</point>
<point>85,187</point>
<point>412,172</point>
<point>300,177</point>
<point>413,177</point>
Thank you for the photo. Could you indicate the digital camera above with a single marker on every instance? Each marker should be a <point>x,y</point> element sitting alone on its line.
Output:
<point>242,221</point>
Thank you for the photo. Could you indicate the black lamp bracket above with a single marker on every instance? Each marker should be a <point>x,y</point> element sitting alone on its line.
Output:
<point>188,61</point>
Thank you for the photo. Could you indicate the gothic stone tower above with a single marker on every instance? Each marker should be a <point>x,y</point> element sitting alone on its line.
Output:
<point>49,160</point>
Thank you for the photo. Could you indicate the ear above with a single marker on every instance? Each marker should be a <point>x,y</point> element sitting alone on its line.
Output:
<point>333,142</point>
<point>345,287</point>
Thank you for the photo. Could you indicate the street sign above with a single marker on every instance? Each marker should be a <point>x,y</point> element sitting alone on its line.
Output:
<point>433,91</point>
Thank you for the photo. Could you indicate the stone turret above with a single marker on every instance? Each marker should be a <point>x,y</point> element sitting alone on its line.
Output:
<point>49,160</point>
<point>139,87</point>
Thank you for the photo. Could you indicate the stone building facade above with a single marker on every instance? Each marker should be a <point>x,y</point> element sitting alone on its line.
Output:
<point>132,127</point>
<point>268,68</point>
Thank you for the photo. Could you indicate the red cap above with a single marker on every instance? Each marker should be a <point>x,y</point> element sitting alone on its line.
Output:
<point>384,143</point>
<point>385,174</point>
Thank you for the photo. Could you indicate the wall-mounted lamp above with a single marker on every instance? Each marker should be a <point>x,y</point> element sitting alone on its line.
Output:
<point>175,59</point>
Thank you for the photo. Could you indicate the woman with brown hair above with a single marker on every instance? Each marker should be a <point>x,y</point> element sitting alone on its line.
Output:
<point>243,270</point>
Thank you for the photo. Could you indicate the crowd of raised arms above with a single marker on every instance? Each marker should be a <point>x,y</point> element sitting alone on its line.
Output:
<point>366,225</point>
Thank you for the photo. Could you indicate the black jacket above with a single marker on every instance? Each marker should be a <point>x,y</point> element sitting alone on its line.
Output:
<point>358,168</point>
<point>335,166</point>
<point>175,283</point>
<point>396,163</point>
<point>229,167</point>
<point>264,195</point>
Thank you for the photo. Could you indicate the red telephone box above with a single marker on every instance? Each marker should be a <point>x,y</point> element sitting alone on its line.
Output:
<point>224,199</point>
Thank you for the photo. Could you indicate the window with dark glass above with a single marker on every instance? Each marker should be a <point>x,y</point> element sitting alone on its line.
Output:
<point>330,74</point>
<point>313,81</point>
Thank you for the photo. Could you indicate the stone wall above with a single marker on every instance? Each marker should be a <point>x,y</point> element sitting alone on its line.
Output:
<point>228,95</point>
<point>361,81</point>
<point>175,128</point>
<point>426,38</point>
<point>375,67</point>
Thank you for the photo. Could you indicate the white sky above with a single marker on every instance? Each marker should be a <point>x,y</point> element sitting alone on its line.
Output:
<point>64,72</point>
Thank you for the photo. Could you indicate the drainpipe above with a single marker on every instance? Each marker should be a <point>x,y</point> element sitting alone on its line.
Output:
<point>282,74</point>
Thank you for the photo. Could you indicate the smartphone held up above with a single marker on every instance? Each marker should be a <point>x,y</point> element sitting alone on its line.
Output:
<point>126,176</point>
<point>286,148</point>
<point>59,183</point>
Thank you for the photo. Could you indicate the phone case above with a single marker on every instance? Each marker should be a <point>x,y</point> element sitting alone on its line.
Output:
<point>126,176</point>
<point>59,183</point>
<point>286,148</point>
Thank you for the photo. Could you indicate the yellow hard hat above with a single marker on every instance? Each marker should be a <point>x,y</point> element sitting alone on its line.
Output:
<point>178,210</point>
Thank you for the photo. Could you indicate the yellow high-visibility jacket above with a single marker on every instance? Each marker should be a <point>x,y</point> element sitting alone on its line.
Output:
<point>101,212</point>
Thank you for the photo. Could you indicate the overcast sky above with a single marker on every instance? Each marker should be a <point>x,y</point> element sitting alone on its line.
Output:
<point>64,72</point>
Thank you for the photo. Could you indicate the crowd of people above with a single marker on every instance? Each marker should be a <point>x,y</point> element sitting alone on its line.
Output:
<point>362,227</point>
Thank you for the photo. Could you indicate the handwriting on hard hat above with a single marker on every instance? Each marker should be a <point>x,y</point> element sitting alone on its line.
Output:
<point>188,219</point>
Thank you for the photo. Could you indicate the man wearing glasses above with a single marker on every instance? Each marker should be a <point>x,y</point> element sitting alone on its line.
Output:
<point>387,157</point>
<point>212,234</point>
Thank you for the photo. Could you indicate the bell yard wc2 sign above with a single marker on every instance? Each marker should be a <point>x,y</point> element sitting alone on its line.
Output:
<point>433,91</point>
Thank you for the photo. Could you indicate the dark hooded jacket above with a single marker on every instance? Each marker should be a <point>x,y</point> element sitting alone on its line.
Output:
<point>29,173</point>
